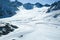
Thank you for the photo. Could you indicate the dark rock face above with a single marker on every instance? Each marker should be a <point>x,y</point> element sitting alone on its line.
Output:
<point>7,8</point>
<point>54,6</point>
<point>4,30</point>
<point>47,5</point>
<point>56,15</point>
<point>38,5</point>
<point>16,3</point>
<point>28,6</point>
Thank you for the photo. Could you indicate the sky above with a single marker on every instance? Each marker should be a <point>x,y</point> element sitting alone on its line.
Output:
<point>40,1</point>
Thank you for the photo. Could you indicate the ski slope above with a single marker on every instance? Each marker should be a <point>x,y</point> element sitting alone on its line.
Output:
<point>33,24</point>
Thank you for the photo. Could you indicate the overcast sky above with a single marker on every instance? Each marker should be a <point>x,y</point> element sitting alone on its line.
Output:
<point>40,1</point>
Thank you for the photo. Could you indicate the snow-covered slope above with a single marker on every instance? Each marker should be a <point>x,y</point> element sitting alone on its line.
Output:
<point>33,24</point>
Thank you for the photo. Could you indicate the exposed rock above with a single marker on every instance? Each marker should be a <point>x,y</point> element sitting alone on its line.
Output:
<point>47,5</point>
<point>4,30</point>
<point>7,8</point>
<point>54,6</point>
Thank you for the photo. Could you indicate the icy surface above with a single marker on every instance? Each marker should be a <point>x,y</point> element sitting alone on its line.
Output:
<point>34,24</point>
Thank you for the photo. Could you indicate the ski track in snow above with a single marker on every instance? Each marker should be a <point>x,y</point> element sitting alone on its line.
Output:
<point>33,26</point>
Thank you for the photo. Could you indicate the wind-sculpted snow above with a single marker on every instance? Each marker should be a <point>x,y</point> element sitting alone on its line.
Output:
<point>34,24</point>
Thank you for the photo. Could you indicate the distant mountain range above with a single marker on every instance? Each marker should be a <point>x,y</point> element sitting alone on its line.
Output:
<point>29,6</point>
<point>7,8</point>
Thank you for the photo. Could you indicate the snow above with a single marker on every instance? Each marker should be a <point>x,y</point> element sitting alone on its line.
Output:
<point>33,24</point>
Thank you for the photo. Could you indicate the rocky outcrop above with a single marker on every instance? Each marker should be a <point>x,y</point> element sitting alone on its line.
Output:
<point>54,6</point>
<point>6,28</point>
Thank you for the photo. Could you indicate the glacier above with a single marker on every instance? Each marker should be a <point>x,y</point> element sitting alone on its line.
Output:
<point>34,24</point>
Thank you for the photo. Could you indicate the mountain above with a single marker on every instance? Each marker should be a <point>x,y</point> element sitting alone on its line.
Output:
<point>38,5</point>
<point>47,5</point>
<point>33,24</point>
<point>7,9</point>
<point>54,6</point>
<point>28,6</point>
<point>16,3</point>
